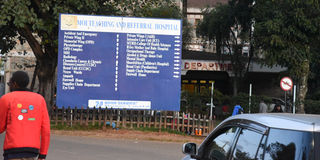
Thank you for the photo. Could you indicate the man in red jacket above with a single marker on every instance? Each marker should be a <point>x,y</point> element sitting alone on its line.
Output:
<point>24,117</point>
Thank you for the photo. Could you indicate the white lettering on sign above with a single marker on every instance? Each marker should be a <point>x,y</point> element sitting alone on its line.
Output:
<point>119,104</point>
<point>207,65</point>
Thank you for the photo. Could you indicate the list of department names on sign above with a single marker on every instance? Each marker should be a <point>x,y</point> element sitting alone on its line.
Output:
<point>73,67</point>
<point>144,57</point>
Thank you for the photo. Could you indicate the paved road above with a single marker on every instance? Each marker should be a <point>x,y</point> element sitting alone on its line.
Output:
<point>84,148</point>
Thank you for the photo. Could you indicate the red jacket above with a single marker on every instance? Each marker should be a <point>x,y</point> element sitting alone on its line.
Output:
<point>24,117</point>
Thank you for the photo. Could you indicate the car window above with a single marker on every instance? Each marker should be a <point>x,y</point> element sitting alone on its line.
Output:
<point>219,147</point>
<point>289,145</point>
<point>248,145</point>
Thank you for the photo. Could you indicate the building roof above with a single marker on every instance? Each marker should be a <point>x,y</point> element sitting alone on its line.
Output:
<point>300,122</point>
<point>204,3</point>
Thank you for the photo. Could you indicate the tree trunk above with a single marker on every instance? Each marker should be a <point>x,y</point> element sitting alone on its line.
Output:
<point>34,76</point>
<point>235,85</point>
<point>184,8</point>
<point>47,75</point>
<point>46,65</point>
<point>303,81</point>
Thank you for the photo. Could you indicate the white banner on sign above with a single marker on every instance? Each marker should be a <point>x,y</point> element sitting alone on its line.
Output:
<point>120,24</point>
<point>119,104</point>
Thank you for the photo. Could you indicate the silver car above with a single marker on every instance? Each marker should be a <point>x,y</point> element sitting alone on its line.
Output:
<point>260,137</point>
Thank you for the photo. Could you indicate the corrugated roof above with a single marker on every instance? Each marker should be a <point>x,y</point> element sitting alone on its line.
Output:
<point>205,3</point>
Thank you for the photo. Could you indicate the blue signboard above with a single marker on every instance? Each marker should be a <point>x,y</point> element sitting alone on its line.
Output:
<point>119,62</point>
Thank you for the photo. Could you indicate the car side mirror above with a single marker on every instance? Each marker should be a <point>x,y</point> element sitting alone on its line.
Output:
<point>189,148</point>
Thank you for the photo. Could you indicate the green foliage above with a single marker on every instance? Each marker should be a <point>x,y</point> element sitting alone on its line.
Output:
<point>243,100</point>
<point>142,8</point>
<point>197,102</point>
<point>216,23</point>
<point>77,126</point>
<point>229,26</point>
<point>168,9</point>
<point>7,42</point>
<point>37,23</point>
<point>312,106</point>
<point>314,96</point>
<point>152,129</point>
<point>41,17</point>
<point>221,23</point>
<point>285,31</point>
<point>314,78</point>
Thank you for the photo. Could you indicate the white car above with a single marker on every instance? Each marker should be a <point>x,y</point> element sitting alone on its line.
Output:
<point>260,137</point>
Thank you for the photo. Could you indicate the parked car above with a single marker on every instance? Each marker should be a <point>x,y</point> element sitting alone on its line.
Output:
<point>274,136</point>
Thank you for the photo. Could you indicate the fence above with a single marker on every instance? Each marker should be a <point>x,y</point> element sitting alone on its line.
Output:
<point>176,121</point>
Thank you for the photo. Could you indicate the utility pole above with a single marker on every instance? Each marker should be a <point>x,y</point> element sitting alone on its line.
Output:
<point>184,8</point>
<point>211,104</point>
<point>250,93</point>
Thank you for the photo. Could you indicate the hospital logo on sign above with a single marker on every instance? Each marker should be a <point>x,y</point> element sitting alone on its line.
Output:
<point>68,22</point>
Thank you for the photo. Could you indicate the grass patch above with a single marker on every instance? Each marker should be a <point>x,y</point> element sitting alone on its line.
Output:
<point>76,127</point>
<point>60,126</point>
<point>97,126</point>
<point>152,129</point>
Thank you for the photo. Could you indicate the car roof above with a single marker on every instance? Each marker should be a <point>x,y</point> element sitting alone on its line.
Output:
<point>300,122</point>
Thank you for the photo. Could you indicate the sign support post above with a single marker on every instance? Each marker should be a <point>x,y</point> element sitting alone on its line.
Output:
<point>250,91</point>
<point>211,104</point>
<point>285,99</point>
<point>294,99</point>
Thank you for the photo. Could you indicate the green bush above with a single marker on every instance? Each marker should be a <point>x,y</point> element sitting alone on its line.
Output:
<point>243,100</point>
<point>196,102</point>
<point>312,106</point>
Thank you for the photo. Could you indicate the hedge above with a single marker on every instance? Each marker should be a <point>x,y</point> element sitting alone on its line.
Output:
<point>312,106</point>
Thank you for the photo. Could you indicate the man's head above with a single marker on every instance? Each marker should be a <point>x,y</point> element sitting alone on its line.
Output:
<point>19,80</point>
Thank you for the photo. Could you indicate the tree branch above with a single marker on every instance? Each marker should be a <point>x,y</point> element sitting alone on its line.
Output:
<point>33,42</point>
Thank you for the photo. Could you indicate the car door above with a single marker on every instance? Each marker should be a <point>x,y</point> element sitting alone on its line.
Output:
<point>234,140</point>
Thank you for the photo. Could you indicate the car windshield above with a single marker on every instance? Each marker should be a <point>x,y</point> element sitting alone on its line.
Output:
<point>288,144</point>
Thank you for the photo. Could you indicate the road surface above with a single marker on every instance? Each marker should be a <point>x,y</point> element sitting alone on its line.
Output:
<point>84,148</point>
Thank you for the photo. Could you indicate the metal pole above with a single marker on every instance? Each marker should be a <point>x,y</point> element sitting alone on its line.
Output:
<point>294,99</point>
<point>250,91</point>
<point>211,104</point>
<point>71,118</point>
<point>285,100</point>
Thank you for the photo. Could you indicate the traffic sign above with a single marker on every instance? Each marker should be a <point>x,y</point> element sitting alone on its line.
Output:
<point>286,83</point>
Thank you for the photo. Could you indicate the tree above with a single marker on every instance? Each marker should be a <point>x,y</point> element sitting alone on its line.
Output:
<point>314,78</point>
<point>229,26</point>
<point>158,9</point>
<point>286,32</point>
<point>37,23</point>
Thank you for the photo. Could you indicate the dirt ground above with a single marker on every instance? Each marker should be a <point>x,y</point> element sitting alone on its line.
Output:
<point>131,135</point>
